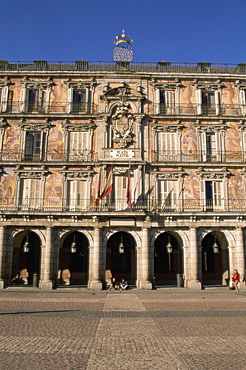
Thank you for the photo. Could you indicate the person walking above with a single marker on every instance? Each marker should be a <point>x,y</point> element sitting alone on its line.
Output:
<point>236,280</point>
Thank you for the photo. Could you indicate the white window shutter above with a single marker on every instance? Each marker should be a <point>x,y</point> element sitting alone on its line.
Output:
<point>157,101</point>
<point>199,101</point>
<point>23,99</point>
<point>72,194</point>
<point>217,146</point>
<point>217,102</point>
<point>204,148</point>
<point>4,99</point>
<point>170,101</point>
<point>217,190</point>
<point>203,196</point>
<point>242,102</point>
<point>35,192</point>
<point>69,100</point>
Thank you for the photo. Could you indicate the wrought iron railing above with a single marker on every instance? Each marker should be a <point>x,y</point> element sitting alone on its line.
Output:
<point>191,155</point>
<point>57,204</point>
<point>46,108</point>
<point>51,155</point>
<point>163,67</point>
<point>17,107</point>
<point>197,109</point>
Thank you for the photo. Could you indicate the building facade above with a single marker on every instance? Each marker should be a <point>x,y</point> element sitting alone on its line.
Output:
<point>171,138</point>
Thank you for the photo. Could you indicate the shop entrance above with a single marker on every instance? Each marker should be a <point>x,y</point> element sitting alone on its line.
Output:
<point>73,260</point>
<point>121,258</point>
<point>168,261</point>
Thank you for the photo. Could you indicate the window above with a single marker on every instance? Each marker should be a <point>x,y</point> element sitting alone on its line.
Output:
<point>33,146</point>
<point>36,101</point>
<point>31,193</point>
<point>242,102</point>
<point>120,192</point>
<point>167,146</point>
<point>4,92</point>
<point>78,146</point>
<point>77,195</point>
<point>79,101</point>
<point>35,96</point>
<point>212,195</point>
<point>211,146</point>
<point>208,102</point>
<point>168,195</point>
<point>167,102</point>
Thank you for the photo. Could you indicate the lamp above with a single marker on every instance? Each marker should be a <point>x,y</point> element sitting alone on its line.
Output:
<point>121,246</point>
<point>169,251</point>
<point>169,246</point>
<point>215,246</point>
<point>26,245</point>
<point>73,246</point>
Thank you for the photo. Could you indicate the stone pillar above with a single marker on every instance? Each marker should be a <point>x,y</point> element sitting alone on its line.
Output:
<point>2,230</point>
<point>240,255</point>
<point>194,282</point>
<point>145,261</point>
<point>46,282</point>
<point>95,283</point>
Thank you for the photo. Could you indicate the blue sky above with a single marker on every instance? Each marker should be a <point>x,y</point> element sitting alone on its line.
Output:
<point>175,30</point>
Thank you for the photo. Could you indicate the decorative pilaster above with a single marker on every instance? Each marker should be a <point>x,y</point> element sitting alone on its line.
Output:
<point>240,255</point>
<point>194,282</point>
<point>46,282</point>
<point>95,283</point>
<point>2,230</point>
<point>145,261</point>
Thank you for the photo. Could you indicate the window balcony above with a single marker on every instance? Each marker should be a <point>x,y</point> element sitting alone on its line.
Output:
<point>52,155</point>
<point>197,109</point>
<point>58,205</point>
<point>192,156</point>
<point>16,107</point>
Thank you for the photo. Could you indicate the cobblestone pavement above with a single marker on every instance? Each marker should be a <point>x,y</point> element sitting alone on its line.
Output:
<point>161,329</point>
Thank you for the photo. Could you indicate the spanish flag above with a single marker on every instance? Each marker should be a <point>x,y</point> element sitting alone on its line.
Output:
<point>109,184</point>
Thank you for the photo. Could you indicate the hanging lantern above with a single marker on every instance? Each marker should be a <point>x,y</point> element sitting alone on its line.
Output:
<point>215,246</point>
<point>73,246</point>
<point>26,245</point>
<point>169,246</point>
<point>121,246</point>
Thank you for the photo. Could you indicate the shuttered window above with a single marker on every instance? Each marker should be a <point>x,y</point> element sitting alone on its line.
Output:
<point>167,146</point>
<point>31,193</point>
<point>168,194</point>
<point>78,145</point>
<point>77,195</point>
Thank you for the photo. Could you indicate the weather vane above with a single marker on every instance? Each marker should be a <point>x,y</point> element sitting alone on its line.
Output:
<point>123,51</point>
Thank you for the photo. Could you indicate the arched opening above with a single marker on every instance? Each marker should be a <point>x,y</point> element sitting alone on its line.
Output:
<point>121,257</point>
<point>215,260</point>
<point>26,261</point>
<point>73,260</point>
<point>168,260</point>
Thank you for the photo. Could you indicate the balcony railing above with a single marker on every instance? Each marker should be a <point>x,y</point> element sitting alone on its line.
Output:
<point>45,108</point>
<point>176,156</point>
<point>198,109</point>
<point>51,155</point>
<point>151,67</point>
<point>60,205</point>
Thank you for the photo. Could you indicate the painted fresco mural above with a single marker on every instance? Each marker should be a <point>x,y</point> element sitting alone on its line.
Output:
<point>11,143</point>
<point>7,188</point>
<point>55,150</point>
<point>53,190</point>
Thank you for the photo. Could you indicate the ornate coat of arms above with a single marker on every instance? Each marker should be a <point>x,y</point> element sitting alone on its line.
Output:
<point>122,126</point>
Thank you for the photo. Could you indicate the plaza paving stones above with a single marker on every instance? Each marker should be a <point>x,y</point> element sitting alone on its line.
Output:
<point>162,329</point>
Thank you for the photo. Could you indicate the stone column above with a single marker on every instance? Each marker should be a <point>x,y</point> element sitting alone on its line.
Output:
<point>46,282</point>
<point>2,230</point>
<point>194,282</point>
<point>145,261</point>
<point>240,255</point>
<point>95,283</point>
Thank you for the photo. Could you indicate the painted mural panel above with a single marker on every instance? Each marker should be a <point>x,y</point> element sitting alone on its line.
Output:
<point>7,188</point>
<point>189,144</point>
<point>191,190</point>
<point>236,189</point>
<point>53,190</point>
<point>233,143</point>
<point>56,144</point>
<point>11,143</point>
